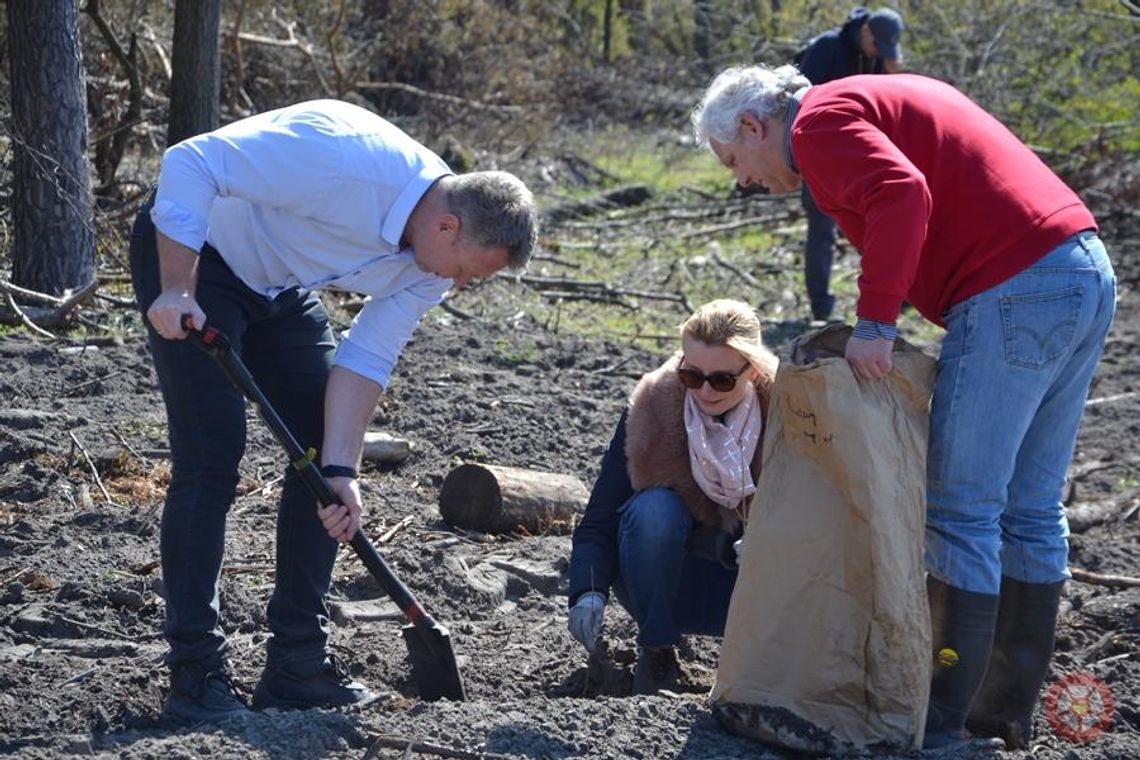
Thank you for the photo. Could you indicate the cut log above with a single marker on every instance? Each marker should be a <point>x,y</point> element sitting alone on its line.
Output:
<point>496,499</point>
<point>384,448</point>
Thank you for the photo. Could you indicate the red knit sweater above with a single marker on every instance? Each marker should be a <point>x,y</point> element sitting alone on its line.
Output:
<point>941,200</point>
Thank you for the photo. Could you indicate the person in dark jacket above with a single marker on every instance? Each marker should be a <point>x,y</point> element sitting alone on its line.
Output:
<point>867,43</point>
<point>672,494</point>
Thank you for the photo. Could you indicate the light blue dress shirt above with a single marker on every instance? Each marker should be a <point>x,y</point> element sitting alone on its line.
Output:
<point>315,195</point>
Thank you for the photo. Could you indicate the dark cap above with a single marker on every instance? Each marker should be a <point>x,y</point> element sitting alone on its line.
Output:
<point>886,27</point>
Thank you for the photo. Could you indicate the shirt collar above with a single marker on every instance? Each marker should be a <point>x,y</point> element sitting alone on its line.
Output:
<point>793,109</point>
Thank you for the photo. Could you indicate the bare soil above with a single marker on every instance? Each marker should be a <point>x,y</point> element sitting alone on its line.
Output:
<point>81,606</point>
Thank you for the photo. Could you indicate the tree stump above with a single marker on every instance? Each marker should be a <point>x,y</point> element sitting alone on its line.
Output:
<point>496,499</point>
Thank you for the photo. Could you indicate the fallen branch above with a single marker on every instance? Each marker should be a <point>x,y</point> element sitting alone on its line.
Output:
<point>146,568</point>
<point>76,678</point>
<point>25,321</point>
<point>565,295</point>
<point>735,269</point>
<point>75,388</point>
<point>97,629</point>
<point>392,531</point>
<point>94,470</point>
<point>52,310</point>
<point>64,310</point>
<point>455,311</point>
<point>716,229</point>
<point>609,369</point>
<point>30,296</point>
<point>591,290</point>
<point>13,577</point>
<point>1112,399</point>
<point>426,748</point>
<point>440,96</point>
<point>249,570</point>
<point>1099,579</point>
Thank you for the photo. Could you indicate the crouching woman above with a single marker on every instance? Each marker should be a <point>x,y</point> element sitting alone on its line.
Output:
<point>673,490</point>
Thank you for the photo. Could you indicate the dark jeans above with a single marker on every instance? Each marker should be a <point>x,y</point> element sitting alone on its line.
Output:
<point>288,346</point>
<point>667,589</point>
<point>819,252</point>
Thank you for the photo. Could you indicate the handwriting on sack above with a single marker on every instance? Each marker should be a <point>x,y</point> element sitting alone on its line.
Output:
<point>810,424</point>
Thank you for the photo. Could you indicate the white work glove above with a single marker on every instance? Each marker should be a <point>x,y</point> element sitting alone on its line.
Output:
<point>585,621</point>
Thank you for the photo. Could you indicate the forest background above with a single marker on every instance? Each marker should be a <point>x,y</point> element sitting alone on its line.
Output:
<point>564,92</point>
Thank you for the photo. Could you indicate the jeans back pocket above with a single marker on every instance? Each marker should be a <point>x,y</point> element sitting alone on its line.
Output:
<point>1039,327</point>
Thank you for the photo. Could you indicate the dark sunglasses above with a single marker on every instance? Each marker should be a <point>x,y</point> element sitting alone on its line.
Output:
<point>722,382</point>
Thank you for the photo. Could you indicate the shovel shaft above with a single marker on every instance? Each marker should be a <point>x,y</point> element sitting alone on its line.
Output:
<point>217,345</point>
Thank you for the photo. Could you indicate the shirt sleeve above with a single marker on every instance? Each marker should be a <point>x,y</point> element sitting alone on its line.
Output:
<point>594,552</point>
<point>876,194</point>
<point>293,163</point>
<point>383,327</point>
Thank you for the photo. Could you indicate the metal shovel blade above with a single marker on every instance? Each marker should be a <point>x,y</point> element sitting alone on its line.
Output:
<point>433,662</point>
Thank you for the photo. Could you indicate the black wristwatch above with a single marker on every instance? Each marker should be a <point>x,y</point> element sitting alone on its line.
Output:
<point>339,471</point>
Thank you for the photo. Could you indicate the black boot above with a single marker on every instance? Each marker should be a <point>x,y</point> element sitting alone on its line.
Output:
<point>1027,621</point>
<point>202,693</point>
<point>962,624</point>
<point>299,685</point>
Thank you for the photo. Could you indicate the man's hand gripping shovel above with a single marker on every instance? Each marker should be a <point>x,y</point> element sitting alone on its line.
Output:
<point>429,644</point>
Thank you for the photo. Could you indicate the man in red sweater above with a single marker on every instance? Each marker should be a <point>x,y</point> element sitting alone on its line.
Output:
<point>953,213</point>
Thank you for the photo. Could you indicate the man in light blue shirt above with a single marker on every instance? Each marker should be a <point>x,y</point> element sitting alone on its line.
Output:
<point>247,223</point>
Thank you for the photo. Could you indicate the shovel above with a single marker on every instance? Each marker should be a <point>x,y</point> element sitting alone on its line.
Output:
<point>429,644</point>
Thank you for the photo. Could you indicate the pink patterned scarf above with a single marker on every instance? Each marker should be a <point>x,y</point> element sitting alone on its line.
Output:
<point>720,453</point>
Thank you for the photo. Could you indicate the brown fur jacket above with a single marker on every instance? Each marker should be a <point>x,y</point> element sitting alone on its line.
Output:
<point>657,445</point>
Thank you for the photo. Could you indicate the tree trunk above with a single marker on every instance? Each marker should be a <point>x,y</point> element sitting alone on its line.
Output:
<point>195,81</point>
<point>608,32</point>
<point>511,500</point>
<point>53,242</point>
<point>703,32</point>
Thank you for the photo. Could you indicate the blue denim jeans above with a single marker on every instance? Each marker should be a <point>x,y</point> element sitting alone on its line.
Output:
<point>288,346</point>
<point>819,253</point>
<point>1013,377</point>
<point>666,589</point>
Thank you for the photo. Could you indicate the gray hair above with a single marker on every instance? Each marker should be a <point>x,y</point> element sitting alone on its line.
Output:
<point>495,210</point>
<point>758,90</point>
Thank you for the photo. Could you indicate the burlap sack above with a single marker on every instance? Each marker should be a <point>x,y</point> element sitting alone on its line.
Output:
<point>827,644</point>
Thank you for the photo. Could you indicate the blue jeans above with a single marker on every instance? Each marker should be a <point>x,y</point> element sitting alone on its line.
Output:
<point>288,346</point>
<point>819,252</point>
<point>1013,377</point>
<point>666,589</point>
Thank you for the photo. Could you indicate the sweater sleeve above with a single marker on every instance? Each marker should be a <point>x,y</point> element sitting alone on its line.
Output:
<point>875,193</point>
<point>593,556</point>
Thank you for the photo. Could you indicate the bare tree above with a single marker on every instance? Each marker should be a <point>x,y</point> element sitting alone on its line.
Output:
<point>194,82</point>
<point>53,246</point>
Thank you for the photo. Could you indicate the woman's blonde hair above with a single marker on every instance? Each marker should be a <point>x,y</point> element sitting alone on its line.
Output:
<point>727,322</point>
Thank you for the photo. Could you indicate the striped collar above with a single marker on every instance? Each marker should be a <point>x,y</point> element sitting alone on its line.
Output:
<point>789,118</point>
